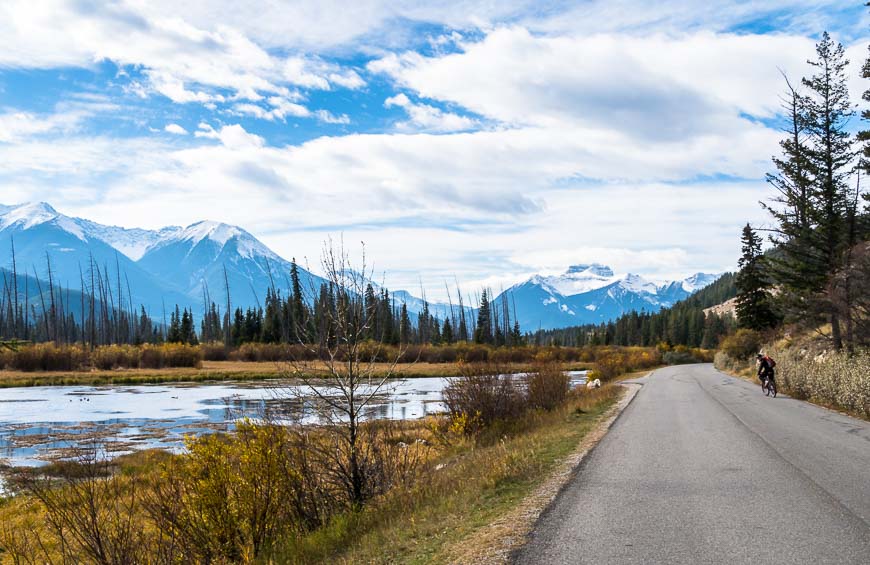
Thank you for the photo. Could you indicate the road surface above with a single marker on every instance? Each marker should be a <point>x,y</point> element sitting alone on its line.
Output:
<point>703,468</point>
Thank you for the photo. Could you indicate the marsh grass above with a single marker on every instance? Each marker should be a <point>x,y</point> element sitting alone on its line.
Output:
<point>473,481</point>
<point>460,485</point>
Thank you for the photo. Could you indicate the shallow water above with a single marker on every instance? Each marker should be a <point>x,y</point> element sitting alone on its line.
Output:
<point>39,424</point>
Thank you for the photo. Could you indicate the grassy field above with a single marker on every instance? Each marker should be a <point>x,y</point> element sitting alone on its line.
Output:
<point>469,484</point>
<point>476,484</point>
<point>223,370</point>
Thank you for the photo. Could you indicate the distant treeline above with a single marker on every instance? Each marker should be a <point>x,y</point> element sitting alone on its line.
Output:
<point>102,313</point>
<point>38,310</point>
<point>685,323</point>
<point>296,319</point>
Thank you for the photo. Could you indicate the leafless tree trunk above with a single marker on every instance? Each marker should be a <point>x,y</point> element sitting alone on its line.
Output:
<point>344,378</point>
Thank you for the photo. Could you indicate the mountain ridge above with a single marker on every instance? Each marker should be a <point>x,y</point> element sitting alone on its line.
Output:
<point>186,265</point>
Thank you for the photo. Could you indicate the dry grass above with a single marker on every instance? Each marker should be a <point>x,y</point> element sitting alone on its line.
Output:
<point>467,485</point>
<point>832,380</point>
<point>471,486</point>
<point>221,370</point>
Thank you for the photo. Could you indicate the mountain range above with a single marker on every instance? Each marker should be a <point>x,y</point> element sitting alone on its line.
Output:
<point>593,293</point>
<point>188,265</point>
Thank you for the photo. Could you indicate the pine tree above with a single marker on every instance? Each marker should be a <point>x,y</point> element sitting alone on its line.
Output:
<point>299,314</point>
<point>516,335</point>
<point>793,179</point>
<point>864,135</point>
<point>174,335</point>
<point>753,296</point>
<point>463,329</point>
<point>828,111</point>
<point>447,332</point>
<point>372,309</point>
<point>483,332</point>
<point>405,326</point>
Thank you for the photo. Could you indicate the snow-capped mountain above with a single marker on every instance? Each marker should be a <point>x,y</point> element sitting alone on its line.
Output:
<point>133,243</point>
<point>194,258</point>
<point>178,265</point>
<point>698,281</point>
<point>44,237</point>
<point>593,294</point>
<point>165,267</point>
<point>578,279</point>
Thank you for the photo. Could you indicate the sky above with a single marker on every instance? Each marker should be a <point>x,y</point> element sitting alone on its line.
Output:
<point>478,142</point>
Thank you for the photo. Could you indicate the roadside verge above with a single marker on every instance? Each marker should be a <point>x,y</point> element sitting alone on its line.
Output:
<point>493,543</point>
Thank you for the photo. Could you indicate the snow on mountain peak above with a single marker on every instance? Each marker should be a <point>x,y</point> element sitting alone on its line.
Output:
<point>698,281</point>
<point>596,269</point>
<point>29,215</point>
<point>246,244</point>
<point>218,232</point>
<point>577,279</point>
<point>33,214</point>
<point>637,283</point>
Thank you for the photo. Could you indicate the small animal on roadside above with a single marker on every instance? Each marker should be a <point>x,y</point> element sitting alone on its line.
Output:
<point>594,384</point>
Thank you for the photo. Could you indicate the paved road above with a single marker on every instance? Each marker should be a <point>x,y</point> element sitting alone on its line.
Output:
<point>703,468</point>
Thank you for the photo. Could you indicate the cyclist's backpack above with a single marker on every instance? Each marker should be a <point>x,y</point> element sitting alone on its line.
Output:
<point>771,362</point>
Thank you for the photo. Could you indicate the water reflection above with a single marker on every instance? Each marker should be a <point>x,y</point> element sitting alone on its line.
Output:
<point>39,424</point>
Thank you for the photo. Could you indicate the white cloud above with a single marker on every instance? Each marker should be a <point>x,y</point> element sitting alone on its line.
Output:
<point>232,137</point>
<point>653,87</point>
<point>281,109</point>
<point>67,118</point>
<point>15,126</point>
<point>328,117</point>
<point>428,118</point>
<point>472,193</point>
<point>604,118</point>
<point>176,129</point>
<point>186,60</point>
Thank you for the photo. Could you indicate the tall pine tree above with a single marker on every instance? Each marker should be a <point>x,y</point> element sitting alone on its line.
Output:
<point>753,295</point>
<point>483,332</point>
<point>828,111</point>
<point>864,135</point>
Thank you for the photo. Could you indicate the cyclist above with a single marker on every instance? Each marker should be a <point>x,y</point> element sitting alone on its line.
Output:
<point>765,368</point>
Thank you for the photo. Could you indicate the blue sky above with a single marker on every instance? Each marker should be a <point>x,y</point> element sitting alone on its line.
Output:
<point>480,140</point>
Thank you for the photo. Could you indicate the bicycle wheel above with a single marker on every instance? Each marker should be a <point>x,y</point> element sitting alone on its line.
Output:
<point>767,388</point>
<point>772,387</point>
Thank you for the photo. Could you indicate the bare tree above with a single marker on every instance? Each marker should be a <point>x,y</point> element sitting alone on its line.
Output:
<point>345,377</point>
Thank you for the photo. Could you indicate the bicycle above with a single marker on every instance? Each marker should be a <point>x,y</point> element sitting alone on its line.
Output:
<point>768,385</point>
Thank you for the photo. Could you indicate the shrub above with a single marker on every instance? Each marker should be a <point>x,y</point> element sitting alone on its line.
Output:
<point>482,396</point>
<point>273,352</point>
<point>229,496</point>
<point>679,358</point>
<point>214,351</point>
<point>178,355</point>
<point>47,357</point>
<point>834,379</point>
<point>151,357</point>
<point>547,386</point>
<point>610,365</point>
<point>474,354</point>
<point>107,357</point>
<point>744,344</point>
<point>169,355</point>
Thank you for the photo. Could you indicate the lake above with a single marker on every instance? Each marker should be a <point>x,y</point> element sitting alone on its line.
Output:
<point>40,424</point>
